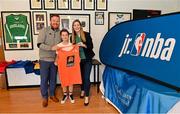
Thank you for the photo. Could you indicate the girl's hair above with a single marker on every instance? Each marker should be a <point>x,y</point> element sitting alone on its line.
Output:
<point>82,35</point>
<point>64,30</point>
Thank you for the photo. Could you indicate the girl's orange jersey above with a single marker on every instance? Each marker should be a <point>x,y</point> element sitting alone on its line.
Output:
<point>69,66</point>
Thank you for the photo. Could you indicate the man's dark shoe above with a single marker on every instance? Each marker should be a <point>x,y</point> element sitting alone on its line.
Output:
<point>45,103</point>
<point>55,99</point>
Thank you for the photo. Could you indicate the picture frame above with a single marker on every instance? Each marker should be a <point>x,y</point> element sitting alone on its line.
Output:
<point>115,18</point>
<point>0,28</point>
<point>89,4</point>
<point>99,18</point>
<point>35,4</point>
<point>101,5</point>
<point>76,4</point>
<point>145,13</point>
<point>66,21</point>
<point>49,4</point>
<point>1,43</point>
<point>62,4</point>
<point>39,21</point>
<point>17,32</point>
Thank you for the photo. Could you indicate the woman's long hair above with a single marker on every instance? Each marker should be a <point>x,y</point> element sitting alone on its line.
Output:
<point>82,35</point>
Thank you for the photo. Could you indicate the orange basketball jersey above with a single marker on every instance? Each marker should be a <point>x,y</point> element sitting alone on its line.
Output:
<point>69,66</point>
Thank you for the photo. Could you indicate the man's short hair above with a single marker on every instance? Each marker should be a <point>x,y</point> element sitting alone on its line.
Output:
<point>54,15</point>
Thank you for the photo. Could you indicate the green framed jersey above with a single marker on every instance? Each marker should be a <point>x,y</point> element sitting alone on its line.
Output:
<point>17,29</point>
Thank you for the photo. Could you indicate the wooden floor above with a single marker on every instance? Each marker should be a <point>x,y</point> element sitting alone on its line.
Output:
<point>28,100</point>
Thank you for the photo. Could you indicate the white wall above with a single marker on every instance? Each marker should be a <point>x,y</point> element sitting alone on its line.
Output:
<point>97,31</point>
<point>178,5</point>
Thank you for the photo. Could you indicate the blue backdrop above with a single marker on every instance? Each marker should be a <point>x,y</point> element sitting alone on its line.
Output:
<point>149,47</point>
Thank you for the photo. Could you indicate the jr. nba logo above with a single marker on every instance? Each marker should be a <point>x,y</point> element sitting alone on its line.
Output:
<point>136,49</point>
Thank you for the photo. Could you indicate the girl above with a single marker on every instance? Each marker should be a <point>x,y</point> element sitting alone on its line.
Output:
<point>68,61</point>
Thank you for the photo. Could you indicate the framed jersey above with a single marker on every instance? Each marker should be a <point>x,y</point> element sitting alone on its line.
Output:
<point>17,32</point>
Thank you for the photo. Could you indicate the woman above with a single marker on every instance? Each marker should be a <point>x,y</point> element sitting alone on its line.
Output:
<point>84,40</point>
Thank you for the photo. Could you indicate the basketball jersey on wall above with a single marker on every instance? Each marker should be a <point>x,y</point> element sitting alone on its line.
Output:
<point>17,29</point>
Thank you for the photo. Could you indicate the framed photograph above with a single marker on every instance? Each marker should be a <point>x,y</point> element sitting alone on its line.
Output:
<point>99,18</point>
<point>39,21</point>
<point>49,4</point>
<point>89,4</point>
<point>76,4</point>
<point>66,21</point>
<point>17,32</point>
<point>115,18</point>
<point>35,4</point>
<point>101,5</point>
<point>63,4</point>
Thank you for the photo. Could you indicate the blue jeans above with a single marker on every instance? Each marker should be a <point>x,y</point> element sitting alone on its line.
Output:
<point>48,72</point>
<point>86,66</point>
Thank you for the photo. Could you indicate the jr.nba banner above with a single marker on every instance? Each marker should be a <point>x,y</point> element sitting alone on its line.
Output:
<point>150,47</point>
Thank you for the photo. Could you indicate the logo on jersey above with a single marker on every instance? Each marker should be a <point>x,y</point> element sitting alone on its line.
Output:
<point>154,48</point>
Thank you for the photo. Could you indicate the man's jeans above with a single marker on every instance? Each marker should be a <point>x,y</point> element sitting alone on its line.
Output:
<point>48,72</point>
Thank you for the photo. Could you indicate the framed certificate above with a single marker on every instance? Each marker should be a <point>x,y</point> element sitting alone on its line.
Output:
<point>49,4</point>
<point>99,18</point>
<point>76,4</point>
<point>101,5</point>
<point>35,4</point>
<point>89,4</point>
<point>63,4</point>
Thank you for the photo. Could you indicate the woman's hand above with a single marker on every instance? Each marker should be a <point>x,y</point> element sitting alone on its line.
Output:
<point>82,44</point>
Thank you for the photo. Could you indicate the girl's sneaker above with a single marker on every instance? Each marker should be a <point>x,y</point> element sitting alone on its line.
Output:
<point>71,98</point>
<point>64,99</point>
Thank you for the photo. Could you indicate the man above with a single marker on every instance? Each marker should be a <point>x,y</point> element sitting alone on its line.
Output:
<point>48,37</point>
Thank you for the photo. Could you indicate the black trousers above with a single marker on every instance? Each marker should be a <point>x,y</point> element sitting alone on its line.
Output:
<point>86,67</point>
